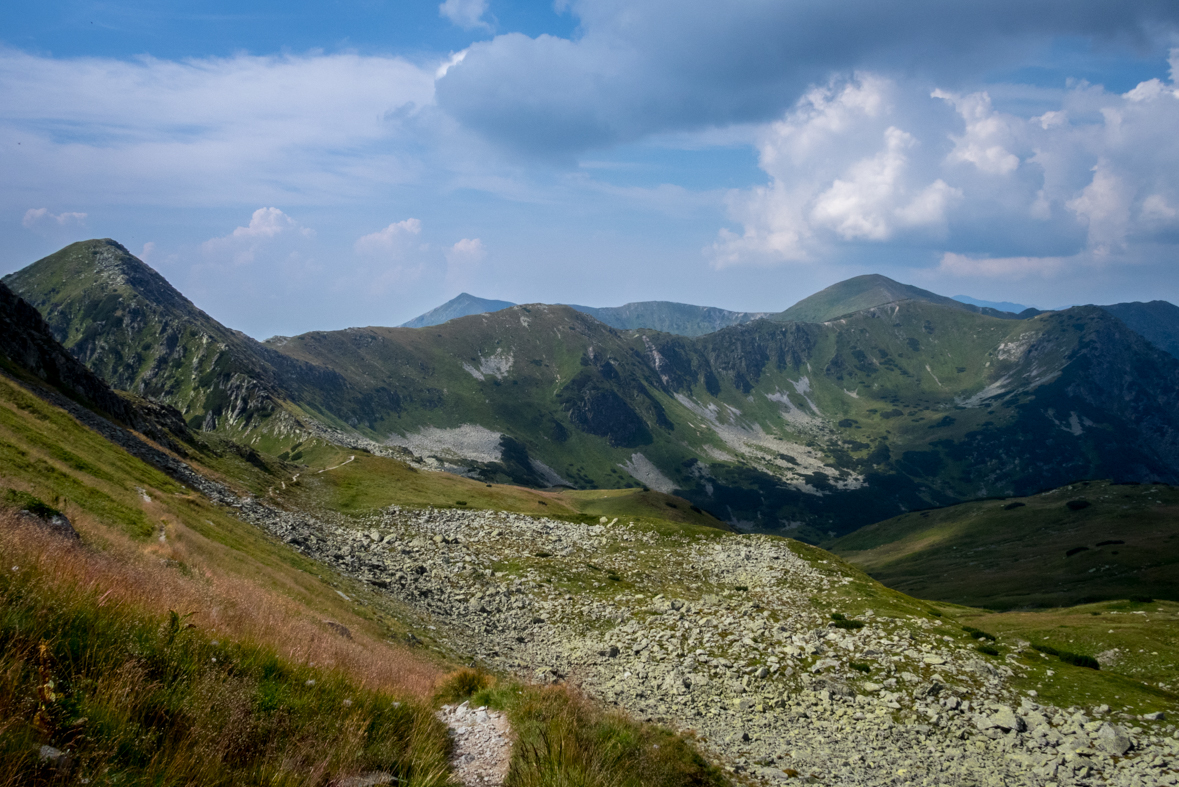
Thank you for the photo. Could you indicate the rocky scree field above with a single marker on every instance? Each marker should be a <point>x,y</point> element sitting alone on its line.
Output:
<point>780,659</point>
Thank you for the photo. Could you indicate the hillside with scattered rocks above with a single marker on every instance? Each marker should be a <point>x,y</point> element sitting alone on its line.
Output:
<point>784,661</point>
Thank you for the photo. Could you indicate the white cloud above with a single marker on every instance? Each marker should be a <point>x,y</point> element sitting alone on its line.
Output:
<point>390,242</point>
<point>267,225</point>
<point>987,134</point>
<point>467,14</point>
<point>1013,268</point>
<point>873,161</point>
<point>41,220</point>
<point>463,259</point>
<point>314,128</point>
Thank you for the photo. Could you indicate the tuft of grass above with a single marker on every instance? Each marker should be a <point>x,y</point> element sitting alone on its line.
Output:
<point>461,685</point>
<point>564,740</point>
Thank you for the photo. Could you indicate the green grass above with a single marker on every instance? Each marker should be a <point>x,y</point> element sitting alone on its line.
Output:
<point>994,554</point>
<point>563,740</point>
<point>140,698</point>
<point>1140,643</point>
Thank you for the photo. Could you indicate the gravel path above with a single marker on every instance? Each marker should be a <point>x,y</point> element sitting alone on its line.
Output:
<point>482,744</point>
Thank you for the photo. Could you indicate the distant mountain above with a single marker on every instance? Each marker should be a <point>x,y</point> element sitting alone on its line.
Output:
<point>681,319</point>
<point>796,427</point>
<point>463,305</point>
<point>1156,321</point>
<point>1003,306</point>
<point>867,292</point>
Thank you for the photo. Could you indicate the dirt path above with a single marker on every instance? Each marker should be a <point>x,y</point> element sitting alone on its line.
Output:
<point>482,744</point>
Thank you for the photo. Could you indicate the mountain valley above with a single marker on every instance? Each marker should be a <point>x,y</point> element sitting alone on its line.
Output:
<point>308,472</point>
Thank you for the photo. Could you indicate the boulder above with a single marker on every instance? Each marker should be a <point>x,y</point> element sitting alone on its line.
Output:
<point>1112,740</point>
<point>1003,718</point>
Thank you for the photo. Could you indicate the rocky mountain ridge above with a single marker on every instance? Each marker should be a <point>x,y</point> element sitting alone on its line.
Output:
<point>808,428</point>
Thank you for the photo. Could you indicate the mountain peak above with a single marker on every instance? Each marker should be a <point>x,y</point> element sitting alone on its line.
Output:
<point>866,292</point>
<point>462,305</point>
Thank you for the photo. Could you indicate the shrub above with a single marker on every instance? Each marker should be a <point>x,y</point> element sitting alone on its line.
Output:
<point>978,633</point>
<point>1046,649</point>
<point>1078,505</point>
<point>1078,660</point>
<point>860,666</point>
<point>841,621</point>
<point>460,502</point>
<point>989,650</point>
<point>741,588</point>
<point>1013,506</point>
<point>1142,599</point>
<point>26,502</point>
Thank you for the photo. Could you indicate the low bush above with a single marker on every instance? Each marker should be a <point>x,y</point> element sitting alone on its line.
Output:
<point>860,666</point>
<point>989,650</point>
<point>841,621</point>
<point>978,633</point>
<point>26,502</point>
<point>1079,660</point>
<point>1046,649</point>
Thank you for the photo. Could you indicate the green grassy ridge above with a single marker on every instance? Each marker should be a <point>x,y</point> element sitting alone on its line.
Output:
<point>1030,551</point>
<point>136,698</point>
<point>865,292</point>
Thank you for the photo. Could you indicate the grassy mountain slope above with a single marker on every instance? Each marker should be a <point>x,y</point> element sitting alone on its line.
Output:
<point>462,305</point>
<point>681,319</point>
<point>133,329</point>
<point>1156,321</point>
<point>800,427</point>
<point>1030,551</point>
<point>866,292</point>
<point>174,643</point>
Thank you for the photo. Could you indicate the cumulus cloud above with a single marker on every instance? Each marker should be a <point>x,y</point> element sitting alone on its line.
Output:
<point>391,242</point>
<point>643,66</point>
<point>40,220</point>
<point>267,227</point>
<point>869,160</point>
<point>467,14</point>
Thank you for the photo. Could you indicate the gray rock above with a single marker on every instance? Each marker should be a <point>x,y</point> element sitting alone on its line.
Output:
<point>1112,740</point>
<point>1003,719</point>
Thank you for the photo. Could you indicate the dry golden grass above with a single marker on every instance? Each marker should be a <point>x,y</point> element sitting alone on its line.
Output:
<point>147,673</point>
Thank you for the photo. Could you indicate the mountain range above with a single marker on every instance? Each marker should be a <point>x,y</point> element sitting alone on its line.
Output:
<point>843,410</point>
<point>852,295</point>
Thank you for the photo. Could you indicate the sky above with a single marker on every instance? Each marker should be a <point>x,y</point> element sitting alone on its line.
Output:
<point>294,166</point>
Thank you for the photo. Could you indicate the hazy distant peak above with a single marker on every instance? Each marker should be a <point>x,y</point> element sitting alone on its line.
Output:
<point>462,305</point>
<point>1003,306</point>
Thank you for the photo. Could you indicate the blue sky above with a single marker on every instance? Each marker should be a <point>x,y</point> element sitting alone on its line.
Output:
<point>295,166</point>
